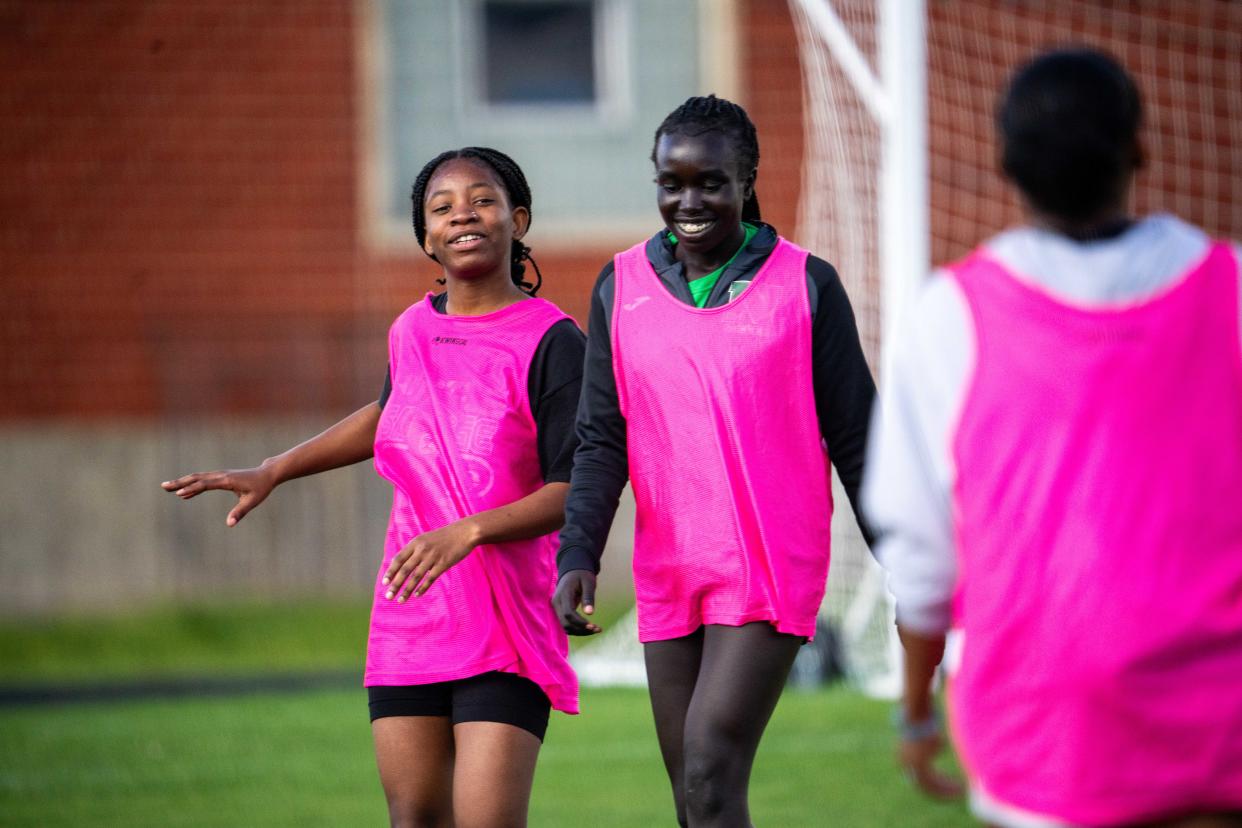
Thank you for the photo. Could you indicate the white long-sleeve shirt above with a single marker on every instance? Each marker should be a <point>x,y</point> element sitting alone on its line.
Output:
<point>907,488</point>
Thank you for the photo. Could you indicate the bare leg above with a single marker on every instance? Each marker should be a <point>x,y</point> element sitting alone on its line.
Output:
<point>740,680</point>
<point>672,670</point>
<point>415,759</point>
<point>493,775</point>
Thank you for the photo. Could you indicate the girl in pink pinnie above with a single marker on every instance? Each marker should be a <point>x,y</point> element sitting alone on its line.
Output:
<point>475,432</point>
<point>723,369</point>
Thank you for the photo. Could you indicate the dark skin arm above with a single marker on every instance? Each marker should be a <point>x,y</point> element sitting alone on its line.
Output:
<point>417,566</point>
<point>349,441</point>
<point>917,756</point>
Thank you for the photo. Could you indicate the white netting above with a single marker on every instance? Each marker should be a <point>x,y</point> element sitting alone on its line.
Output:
<point>838,218</point>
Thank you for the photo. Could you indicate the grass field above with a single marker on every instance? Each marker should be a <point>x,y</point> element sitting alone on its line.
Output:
<point>303,759</point>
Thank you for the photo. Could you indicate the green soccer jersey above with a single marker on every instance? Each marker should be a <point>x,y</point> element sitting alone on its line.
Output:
<point>701,288</point>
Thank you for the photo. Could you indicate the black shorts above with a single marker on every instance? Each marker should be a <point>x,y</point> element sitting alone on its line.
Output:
<point>491,697</point>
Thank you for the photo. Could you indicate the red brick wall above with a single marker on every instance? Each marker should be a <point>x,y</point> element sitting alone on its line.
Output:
<point>178,214</point>
<point>178,209</point>
<point>178,198</point>
<point>772,94</point>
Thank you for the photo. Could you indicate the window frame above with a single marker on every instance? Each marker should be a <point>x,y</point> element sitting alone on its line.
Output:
<point>614,98</point>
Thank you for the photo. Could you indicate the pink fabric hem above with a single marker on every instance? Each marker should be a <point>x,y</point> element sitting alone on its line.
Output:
<point>374,678</point>
<point>646,636</point>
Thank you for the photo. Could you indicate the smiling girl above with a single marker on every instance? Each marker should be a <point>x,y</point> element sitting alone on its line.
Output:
<point>474,431</point>
<point>722,360</point>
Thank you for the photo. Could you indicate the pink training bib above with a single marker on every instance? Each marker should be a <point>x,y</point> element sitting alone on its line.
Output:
<point>1098,508</point>
<point>457,437</point>
<point>729,472</point>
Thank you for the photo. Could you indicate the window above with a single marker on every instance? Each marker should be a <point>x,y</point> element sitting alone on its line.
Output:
<point>552,46</point>
<point>562,61</point>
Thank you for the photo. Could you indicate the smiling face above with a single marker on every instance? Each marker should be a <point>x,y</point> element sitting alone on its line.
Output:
<point>470,224</point>
<point>700,192</point>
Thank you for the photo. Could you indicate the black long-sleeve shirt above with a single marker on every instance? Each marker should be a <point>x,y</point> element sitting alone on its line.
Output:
<point>843,387</point>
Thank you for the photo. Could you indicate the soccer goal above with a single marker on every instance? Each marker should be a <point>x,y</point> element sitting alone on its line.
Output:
<point>864,206</point>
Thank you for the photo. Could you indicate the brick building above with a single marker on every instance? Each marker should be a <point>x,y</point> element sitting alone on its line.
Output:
<point>203,237</point>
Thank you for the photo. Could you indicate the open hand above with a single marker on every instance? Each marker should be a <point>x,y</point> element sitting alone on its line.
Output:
<point>917,758</point>
<point>576,587</point>
<point>415,568</point>
<point>252,486</point>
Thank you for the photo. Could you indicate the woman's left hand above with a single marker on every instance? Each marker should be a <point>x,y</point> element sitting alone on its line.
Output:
<point>415,568</point>
<point>916,755</point>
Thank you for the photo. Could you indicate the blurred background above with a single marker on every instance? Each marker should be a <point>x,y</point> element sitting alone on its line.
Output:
<point>205,233</point>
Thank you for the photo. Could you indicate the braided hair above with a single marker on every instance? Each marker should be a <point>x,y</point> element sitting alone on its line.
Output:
<point>518,191</point>
<point>699,115</point>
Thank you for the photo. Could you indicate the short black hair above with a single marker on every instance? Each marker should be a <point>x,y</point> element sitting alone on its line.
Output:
<point>699,115</point>
<point>1069,126</point>
<point>511,178</point>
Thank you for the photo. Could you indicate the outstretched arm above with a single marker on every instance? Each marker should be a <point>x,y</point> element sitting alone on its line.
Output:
<point>417,566</point>
<point>346,443</point>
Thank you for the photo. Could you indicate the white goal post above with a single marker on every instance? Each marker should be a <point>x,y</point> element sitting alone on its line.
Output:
<point>865,207</point>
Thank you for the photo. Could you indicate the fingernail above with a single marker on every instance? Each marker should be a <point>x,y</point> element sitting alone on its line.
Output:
<point>389,595</point>
<point>386,580</point>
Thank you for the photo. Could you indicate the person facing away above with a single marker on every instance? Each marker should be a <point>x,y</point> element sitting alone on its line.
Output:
<point>1056,471</point>
<point>721,361</point>
<point>474,431</point>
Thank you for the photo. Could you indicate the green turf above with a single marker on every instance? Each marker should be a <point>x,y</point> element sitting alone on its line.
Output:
<point>305,759</point>
<point>233,638</point>
<point>826,760</point>
<point>170,641</point>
